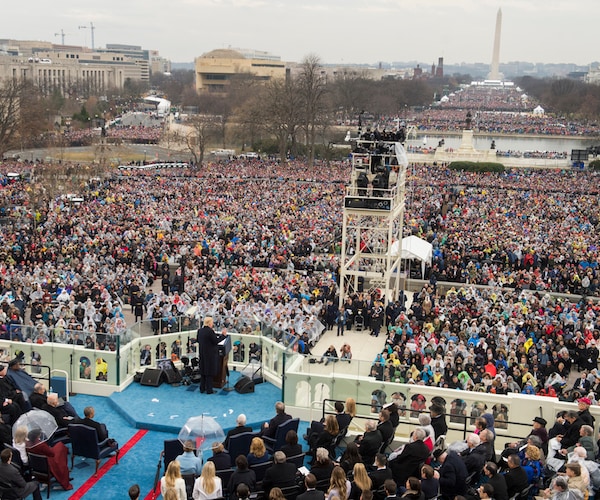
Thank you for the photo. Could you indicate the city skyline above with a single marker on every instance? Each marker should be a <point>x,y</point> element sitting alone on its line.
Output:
<point>338,32</point>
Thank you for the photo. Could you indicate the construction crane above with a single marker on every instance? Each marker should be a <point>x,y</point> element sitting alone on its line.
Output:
<point>62,36</point>
<point>92,28</point>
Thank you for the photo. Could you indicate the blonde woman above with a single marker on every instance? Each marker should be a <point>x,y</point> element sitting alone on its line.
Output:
<point>276,494</point>
<point>19,442</point>
<point>351,407</point>
<point>258,452</point>
<point>362,481</point>
<point>339,486</point>
<point>208,485</point>
<point>173,480</point>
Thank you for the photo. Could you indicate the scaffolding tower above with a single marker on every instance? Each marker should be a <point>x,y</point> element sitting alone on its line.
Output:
<point>373,216</point>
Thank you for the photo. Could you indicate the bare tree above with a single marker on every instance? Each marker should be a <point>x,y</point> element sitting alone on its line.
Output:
<point>281,111</point>
<point>10,95</point>
<point>248,119</point>
<point>312,87</point>
<point>220,109</point>
<point>350,92</point>
<point>201,128</point>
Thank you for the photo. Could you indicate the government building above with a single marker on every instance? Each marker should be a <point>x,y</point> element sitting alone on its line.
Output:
<point>75,70</point>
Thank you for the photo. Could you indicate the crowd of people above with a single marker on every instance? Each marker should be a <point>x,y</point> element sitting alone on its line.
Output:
<point>22,433</point>
<point>533,229</point>
<point>453,120</point>
<point>273,264</point>
<point>80,270</point>
<point>547,460</point>
<point>489,98</point>
<point>138,134</point>
<point>490,340</point>
<point>546,155</point>
<point>506,110</point>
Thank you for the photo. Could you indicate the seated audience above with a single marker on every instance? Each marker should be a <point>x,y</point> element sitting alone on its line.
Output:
<point>172,481</point>
<point>14,481</point>
<point>220,457</point>
<point>241,475</point>
<point>291,448</point>
<point>339,486</point>
<point>430,485</point>
<point>208,485</point>
<point>189,463</point>
<point>322,465</point>
<point>281,474</point>
<point>360,481</point>
<point>57,457</point>
<point>258,452</point>
<point>240,428</point>
<point>311,493</point>
<point>350,457</point>
<point>413,489</point>
<point>269,428</point>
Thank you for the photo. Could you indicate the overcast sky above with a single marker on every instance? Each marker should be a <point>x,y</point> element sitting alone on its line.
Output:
<point>338,31</point>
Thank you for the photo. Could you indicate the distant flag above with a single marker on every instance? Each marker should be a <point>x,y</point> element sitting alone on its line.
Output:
<point>401,155</point>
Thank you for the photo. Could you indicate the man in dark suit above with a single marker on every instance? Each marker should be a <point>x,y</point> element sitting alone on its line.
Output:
<point>39,397</point>
<point>11,480</point>
<point>571,436</point>
<point>343,418</point>
<point>88,414</point>
<point>583,407</point>
<point>582,384</point>
<point>281,474</point>
<point>390,487</point>
<point>498,482</point>
<point>370,442</point>
<point>208,344</point>
<point>516,477</point>
<point>220,457</point>
<point>381,474</point>
<point>10,391</point>
<point>385,426</point>
<point>438,420</point>
<point>453,474</point>
<point>406,462</point>
<point>63,419</point>
<point>311,493</point>
<point>270,428</point>
<point>475,455</point>
<point>240,428</point>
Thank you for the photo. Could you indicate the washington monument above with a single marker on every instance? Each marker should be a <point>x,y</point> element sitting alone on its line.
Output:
<point>495,66</point>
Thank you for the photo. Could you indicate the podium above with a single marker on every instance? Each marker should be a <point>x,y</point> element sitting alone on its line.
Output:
<point>220,379</point>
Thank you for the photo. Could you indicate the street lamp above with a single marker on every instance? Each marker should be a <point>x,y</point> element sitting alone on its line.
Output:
<point>144,156</point>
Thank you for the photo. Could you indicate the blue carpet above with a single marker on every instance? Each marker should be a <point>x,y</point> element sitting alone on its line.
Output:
<point>163,410</point>
<point>166,408</point>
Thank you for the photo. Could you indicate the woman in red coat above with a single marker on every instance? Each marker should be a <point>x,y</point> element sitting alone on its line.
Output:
<point>57,457</point>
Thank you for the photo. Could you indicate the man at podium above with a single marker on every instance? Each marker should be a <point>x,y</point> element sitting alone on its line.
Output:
<point>208,346</point>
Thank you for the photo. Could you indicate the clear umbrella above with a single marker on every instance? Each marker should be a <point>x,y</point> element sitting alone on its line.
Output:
<point>36,421</point>
<point>203,431</point>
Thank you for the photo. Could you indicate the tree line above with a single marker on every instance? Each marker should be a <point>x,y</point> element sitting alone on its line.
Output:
<point>294,116</point>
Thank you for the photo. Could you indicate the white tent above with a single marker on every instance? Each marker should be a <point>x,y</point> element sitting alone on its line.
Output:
<point>163,106</point>
<point>414,247</point>
<point>539,111</point>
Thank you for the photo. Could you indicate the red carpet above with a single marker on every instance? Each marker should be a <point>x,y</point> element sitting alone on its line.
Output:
<point>85,487</point>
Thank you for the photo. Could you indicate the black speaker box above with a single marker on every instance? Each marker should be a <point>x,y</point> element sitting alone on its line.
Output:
<point>152,376</point>
<point>172,376</point>
<point>245,385</point>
